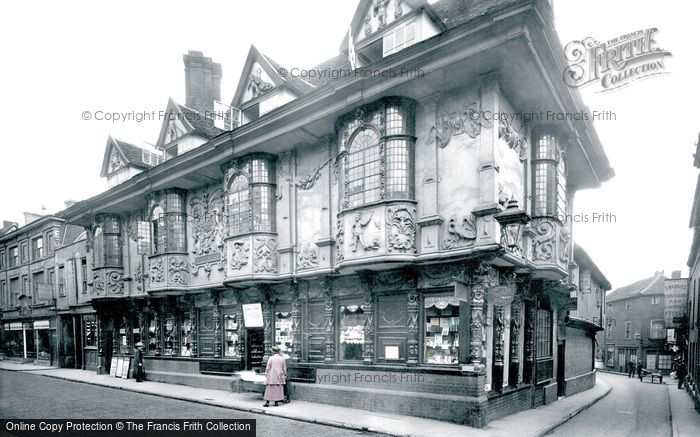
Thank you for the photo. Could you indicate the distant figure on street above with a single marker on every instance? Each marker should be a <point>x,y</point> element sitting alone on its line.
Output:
<point>630,369</point>
<point>681,371</point>
<point>275,378</point>
<point>139,372</point>
<point>640,370</point>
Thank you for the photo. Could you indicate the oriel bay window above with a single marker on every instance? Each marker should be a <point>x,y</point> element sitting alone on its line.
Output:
<point>352,331</point>
<point>377,143</point>
<point>549,177</point>
<point>168,223</point>
<point>107,248</point>
<point>251,198</point>
<point>441,329</point>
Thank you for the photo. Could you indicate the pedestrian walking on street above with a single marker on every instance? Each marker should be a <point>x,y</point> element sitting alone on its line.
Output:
<point>640,370</point>
<point>681,371</point>
<point>630,369</point>
<point>139,371</point>
<point>275,378</point>
<point>287,383</point>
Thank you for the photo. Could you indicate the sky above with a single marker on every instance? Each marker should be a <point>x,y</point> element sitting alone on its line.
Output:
<point>78,56</point>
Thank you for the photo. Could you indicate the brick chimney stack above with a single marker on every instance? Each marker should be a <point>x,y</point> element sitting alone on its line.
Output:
<point>676,274</point>
<point>202,81</point>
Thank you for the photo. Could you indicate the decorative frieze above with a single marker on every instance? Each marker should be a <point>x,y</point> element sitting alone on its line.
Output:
<point>467,121</point>
<point>207,214</point>
<point>460,233</point>
<point>401,229</point>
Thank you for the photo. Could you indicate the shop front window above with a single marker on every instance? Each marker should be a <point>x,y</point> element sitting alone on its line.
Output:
<point>441,330</point>
<point>283,331</point>
<point>152,336</point>
<point>186,335</point>
<point>14,340</point>
<point>135,330</point>
<point>170,335</point>
<point>231,335</point>
<point>29,339</point>
<point>123,332</point>
<point>43,345</point>
<point>352,332</point>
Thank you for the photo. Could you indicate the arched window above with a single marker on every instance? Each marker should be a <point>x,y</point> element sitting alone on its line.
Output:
<point>549,178</point>
<point>378,143</point>
<point>158,229</point>
<point>251,195</point>
<point>239,205</point>
<point>363,183</point>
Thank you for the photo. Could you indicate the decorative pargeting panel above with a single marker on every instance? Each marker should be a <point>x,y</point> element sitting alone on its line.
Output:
<point>383,230</point>
<point>168,271</point>
<point>108,282</point>
<point>549,243</point>
<point>252,255</point>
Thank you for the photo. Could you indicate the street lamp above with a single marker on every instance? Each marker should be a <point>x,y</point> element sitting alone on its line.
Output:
<point>638,336</point>
<point>512,222</point>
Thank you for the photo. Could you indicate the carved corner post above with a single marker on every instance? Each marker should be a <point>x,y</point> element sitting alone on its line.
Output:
<point>240,331</point>
<point>413,310</point>
<point>129,325</point>
<point>143,330</point>
<point>102,342</point>
<point>296,323</point>
<point>214,295</point>
<point>530,318</point>
<point>192,309</point>
<point>327,287</point>
<point>514,366</point>
<point>116,324</point>
<point>476,326</point>
<point>268,330</point>
<point>367,279</point>
<point>498,345</point>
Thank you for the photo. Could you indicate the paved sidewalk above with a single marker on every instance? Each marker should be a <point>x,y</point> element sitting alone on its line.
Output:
<point>685,420</point>
<point>526,423</point>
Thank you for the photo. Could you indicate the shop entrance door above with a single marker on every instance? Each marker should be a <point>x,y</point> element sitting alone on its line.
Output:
<point>255,348</point>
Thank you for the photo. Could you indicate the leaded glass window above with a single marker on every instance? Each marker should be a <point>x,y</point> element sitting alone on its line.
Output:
<point>251,196</point>
<point>363,168</point>
<point>168,224</point>
<point>549,178</point>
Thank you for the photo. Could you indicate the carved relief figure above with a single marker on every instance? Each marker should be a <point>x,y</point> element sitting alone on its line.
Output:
<point>401,231</point>
<point>307,257</point>
<point>379,10</point>
<point>462,234</point>
<point>138,277</point>
<point>339,240</point>
<point>358,229</point>
<point>513,138</point>
<point>256,85</point>
<point>115,162</point>
<point>564,240</point>
<point>265,255</point>
<point>241,253</point>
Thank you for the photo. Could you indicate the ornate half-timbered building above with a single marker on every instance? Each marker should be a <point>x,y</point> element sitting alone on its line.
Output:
<point>404,236</point>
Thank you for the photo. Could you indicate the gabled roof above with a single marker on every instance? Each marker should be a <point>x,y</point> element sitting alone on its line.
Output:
<point>130,155</point>
<point>192,120</point>
<point>647,287</point>
<point>584,261</point>
<point>295,84</point>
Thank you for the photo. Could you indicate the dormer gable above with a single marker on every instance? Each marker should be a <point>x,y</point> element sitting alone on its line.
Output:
<point>123,160</point>
<point>381,28</point>
<point>183,129</point>
<point>261,88</point>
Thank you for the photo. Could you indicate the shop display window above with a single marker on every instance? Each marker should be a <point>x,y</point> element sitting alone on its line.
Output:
<point>231,335</point>
<point>43,344</point>
<point>441,330</point>
<point>136,330</point>
<point>123,336</point>
<point>152,337</point>
<point>352,332</point>
<point>187,337</point>
<point>283,331</point>
<point>170,336</point>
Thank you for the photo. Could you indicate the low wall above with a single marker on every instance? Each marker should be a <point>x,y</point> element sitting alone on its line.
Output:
<point>579,383</point>
<point>510,402</point>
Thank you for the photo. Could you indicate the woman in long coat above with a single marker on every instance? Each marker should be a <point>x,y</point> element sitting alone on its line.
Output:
<point>275,378</point>
<point>139,372</point>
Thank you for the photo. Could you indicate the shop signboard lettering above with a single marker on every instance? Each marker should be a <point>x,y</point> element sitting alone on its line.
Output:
<point>675,297</point>
<point>252,315</point>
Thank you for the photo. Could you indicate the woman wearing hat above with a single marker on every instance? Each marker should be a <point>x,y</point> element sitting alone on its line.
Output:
<point>139,372</point>
<point>275,378</point>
